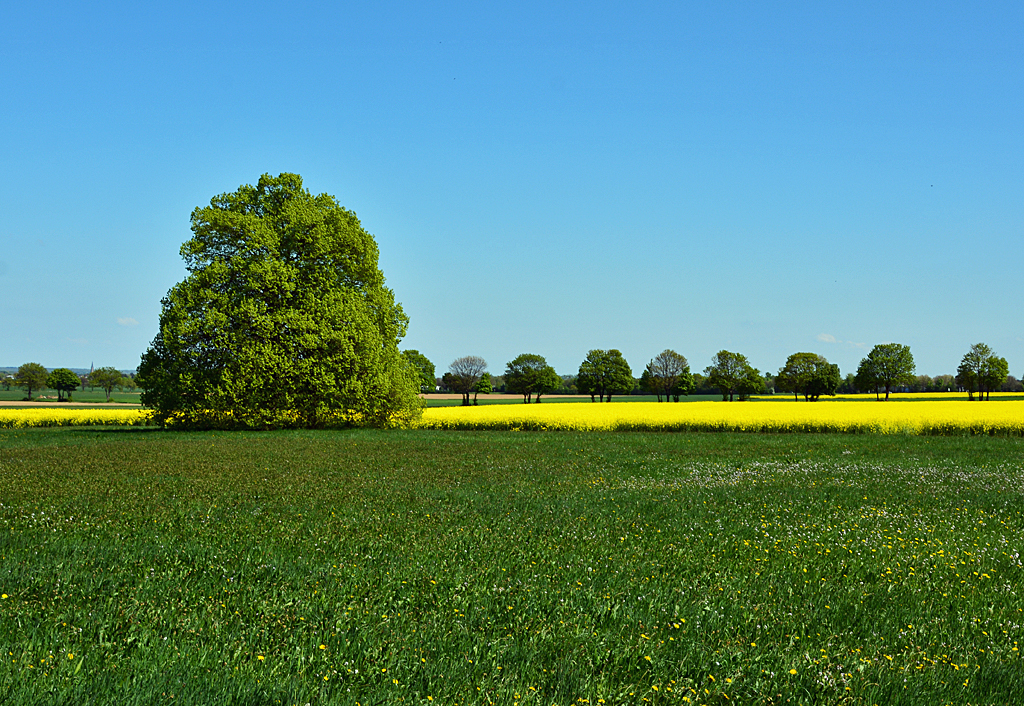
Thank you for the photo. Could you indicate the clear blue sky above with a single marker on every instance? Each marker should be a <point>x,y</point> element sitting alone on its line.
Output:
<point>541,177</point>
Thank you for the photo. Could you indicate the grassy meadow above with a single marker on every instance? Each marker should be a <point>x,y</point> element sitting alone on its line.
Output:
<point>84,396</point>
<point>434,567</point>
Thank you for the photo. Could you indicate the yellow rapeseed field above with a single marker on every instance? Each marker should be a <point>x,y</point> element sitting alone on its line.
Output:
<point>918,416</point>
<point>63,417</point>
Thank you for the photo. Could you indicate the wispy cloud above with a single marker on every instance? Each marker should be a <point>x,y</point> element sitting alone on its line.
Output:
<point>827,338</point>
<point>128,321</point>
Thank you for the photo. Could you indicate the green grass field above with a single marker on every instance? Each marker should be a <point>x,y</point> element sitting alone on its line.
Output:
<point>141,566</point>
<point>86,395</point>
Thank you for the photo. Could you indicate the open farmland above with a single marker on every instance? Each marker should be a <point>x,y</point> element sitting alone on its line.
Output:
<point>932,414</point>
<point>862,414</point>
<point>480,567</point>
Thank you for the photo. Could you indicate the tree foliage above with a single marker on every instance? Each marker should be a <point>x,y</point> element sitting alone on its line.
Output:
<point>981,371</point>
<point>31,376</point>
<point>529,374</point>
<point>668,374</point>
<point>888,365</point>
<point>731,374</point>
<point>463,375</point>
<point>106,379</point>
<point>808,374</point>
<point>604,373</point>
<point>483,386</point>
<point>63,380</point>
<point>425,369</point>
<point>283,320</point>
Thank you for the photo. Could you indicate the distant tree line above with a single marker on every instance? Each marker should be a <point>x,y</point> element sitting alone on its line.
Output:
<point>33,377</point>
<point>603,374</point>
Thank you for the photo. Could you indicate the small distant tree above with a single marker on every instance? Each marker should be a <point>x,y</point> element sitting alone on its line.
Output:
<point>7,381</point>
<point>1011,384</point>
<point>483,386</point>
<point>62,380</point>
<point>752,384</point>
<point>981,371</point>
<point>808,374</point>
<point>943,383</point>
<point>463,375</point>
<point>424,367</point>
<point>106,379</point>
<point>968,373</point>
<point>604,373</point>
<point>668,374</point>
<point>866,379</point>
<point>888,365</point>
<point>731,374</point>
<point>31,376</point>
<point>529,374</point>
<point>994,375</point>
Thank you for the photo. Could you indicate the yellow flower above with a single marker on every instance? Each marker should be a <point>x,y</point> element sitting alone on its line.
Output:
<point>323,647</point>
<point>260,657</point>
<point>792,671</point>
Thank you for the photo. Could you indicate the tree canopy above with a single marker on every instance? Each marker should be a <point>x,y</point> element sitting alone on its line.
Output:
<point>464,374</point>
<point>808,374</point>
<point>888,365</point>
<point>668,374</point>
<point>732,374</point>
<point>604,373</point>
<point>63,380</point>
<point>283,320</point>
<point>106,379</point>
<point>981,371</point>
<point>529,374</point>
<point>425,369</point>
<point>483,386</point>
<point>31,376</point>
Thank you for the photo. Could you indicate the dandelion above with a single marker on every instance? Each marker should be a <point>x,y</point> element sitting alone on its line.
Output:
<point>792,671</point>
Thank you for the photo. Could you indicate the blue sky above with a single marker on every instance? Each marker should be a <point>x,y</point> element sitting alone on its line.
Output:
<point>541,177</point>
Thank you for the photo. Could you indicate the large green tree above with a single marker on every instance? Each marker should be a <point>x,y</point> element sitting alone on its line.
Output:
<point>732,374</point>
<point>31,376</point>
<point>888,365</point>
<point>283,320</point>
<point>425,369</point>
<point>604,373</point>
<point>808,374</point>
<point>529,374</point>
<point>668,374</point>
<point>63,380</point>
